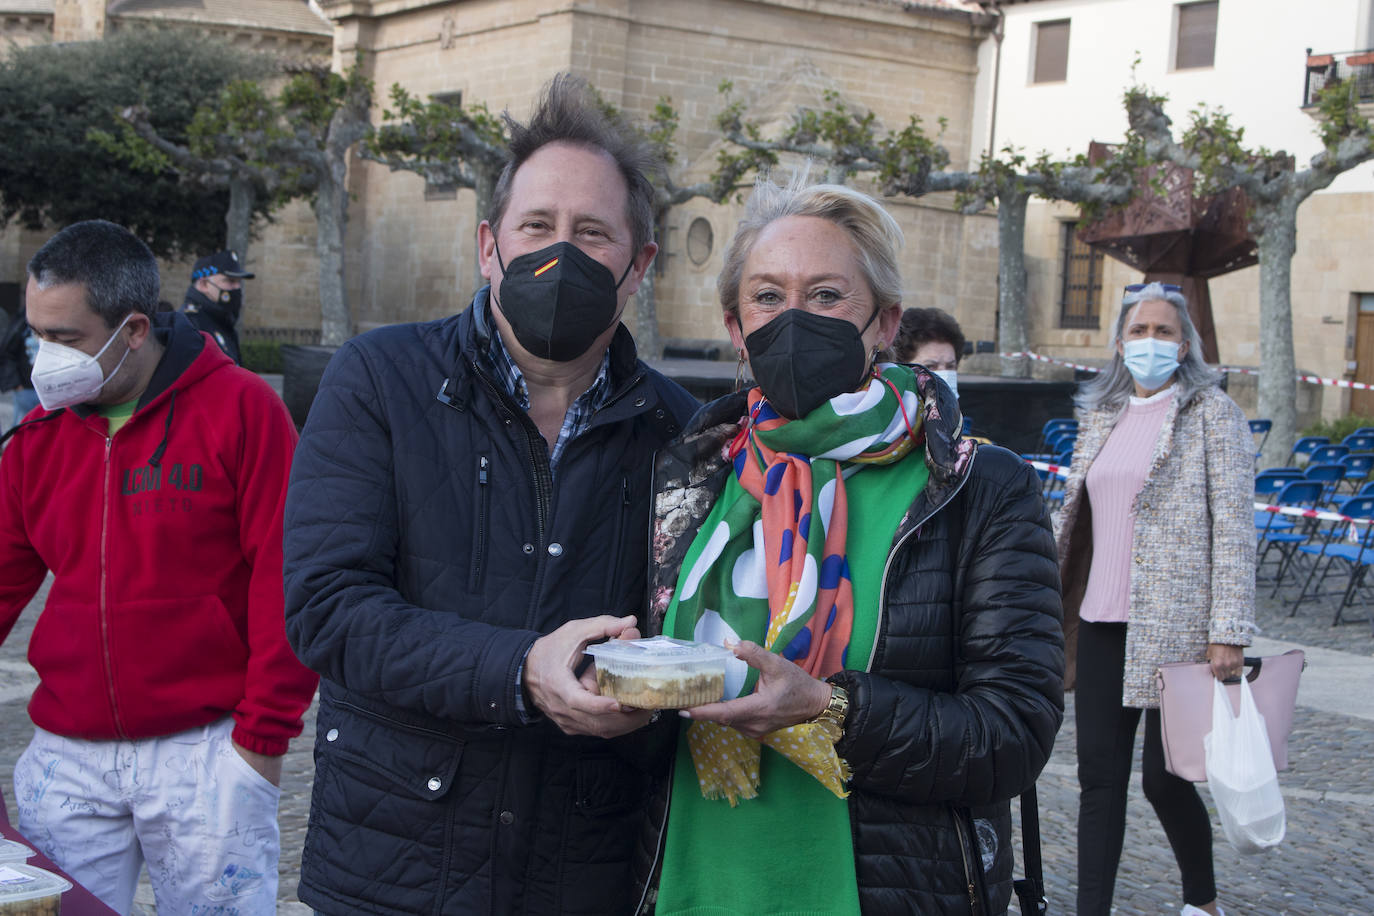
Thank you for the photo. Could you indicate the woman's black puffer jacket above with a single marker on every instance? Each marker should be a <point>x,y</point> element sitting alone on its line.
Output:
<point>958,713</point>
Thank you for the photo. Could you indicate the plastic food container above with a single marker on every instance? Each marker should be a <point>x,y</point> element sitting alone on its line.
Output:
<point>12,851</point>
<point>659,672</point>
<point>26,890</point>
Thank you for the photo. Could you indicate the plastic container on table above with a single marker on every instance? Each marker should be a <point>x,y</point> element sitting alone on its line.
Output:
<point>14,851</point>
<point>659,672</point>
<point>26,890</point>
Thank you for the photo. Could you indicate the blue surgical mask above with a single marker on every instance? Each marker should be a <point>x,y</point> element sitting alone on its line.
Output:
<point>1151,362</point>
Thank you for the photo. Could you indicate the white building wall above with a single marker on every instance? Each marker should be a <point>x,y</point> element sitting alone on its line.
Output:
<point>1258,76</point>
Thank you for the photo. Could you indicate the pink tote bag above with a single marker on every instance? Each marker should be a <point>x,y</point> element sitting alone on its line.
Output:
<point>1185,708</point>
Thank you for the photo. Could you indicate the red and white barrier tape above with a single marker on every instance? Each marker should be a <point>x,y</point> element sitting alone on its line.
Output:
<point>1310,513</point>
<point>1060,470</point>
<point>1311,379</point>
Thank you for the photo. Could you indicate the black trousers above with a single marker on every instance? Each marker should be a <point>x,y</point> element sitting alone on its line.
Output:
<point>1106,744</point>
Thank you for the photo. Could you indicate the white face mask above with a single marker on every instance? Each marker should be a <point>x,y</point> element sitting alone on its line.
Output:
<point>63,375</point>
<point>950,377</point>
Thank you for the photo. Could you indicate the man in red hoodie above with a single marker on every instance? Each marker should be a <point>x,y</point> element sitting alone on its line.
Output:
<point>151,485</point>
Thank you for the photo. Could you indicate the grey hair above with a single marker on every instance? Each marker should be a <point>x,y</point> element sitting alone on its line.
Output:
<point>1113,386</point>
<point>118,271</point>
<point>875,234</point>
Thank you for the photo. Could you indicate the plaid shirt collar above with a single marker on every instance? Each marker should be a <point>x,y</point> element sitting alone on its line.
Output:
<point>496,361</point>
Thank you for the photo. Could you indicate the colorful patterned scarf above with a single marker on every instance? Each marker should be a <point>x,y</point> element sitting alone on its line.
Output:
<point>769,563</point>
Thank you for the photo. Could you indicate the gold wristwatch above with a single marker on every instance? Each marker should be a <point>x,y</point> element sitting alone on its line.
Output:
<point>832,717</point>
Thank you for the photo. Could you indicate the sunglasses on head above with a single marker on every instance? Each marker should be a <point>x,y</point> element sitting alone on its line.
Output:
<point>1168,287</point>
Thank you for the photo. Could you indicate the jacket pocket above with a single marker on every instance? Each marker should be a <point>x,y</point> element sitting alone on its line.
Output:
<point>380,835</point>
<point>417,762</point>
<point>173,662</point>
<point>481,523</point>
<point>607,786</point>
<point>972,855</point>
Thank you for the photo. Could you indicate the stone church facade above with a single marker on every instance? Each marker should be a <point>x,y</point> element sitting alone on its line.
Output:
<point>412,250</point>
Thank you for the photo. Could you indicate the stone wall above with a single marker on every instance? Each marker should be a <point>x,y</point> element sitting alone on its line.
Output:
<point>412,258</point>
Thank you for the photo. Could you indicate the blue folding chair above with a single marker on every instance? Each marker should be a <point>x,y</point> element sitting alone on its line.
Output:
<point>1304,446</point>
<point>1300,494</point>
<point>1367,489</point>
<point>1260,428</point>
<point>1357,469</point>
<point>1327,454</point>
<point>1268,483</point>
<point>1359,442</point>
<point>1347,545</point>
<point>1054,443</point>
<point>1052,426</point>
<point>1330,474</point>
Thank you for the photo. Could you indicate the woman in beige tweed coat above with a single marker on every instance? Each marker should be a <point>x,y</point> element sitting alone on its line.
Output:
<point>1161,483</point>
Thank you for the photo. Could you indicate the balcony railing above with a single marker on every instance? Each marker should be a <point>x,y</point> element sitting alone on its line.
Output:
<point>1325,69</point>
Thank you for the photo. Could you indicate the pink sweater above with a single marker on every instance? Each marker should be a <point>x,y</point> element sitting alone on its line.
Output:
<point>1115,477</point>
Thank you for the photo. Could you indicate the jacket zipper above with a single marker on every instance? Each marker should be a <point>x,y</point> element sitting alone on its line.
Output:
<point>887,564</point>
<point>479,545</point>
<point>104,592</point>
<point>539,471</point>
<point>973,906</point>
<point>612,580</point>
<point>658,846</point>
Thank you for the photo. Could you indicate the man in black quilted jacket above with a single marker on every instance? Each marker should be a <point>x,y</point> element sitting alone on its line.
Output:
<point>468,510</point>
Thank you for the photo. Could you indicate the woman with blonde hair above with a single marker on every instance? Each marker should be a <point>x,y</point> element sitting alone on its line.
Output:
<point>888,588</point>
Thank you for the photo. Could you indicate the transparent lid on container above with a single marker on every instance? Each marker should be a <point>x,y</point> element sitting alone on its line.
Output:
<point>12,851</point>
<point>19,882</point>
<point>657,650</point>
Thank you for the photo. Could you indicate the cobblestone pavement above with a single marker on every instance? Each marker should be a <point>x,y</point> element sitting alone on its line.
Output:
<point>1321,869</point>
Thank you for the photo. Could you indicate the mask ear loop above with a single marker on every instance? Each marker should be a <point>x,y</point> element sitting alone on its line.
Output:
<point>901,404</point>
<point>737,443</point>
<point>622,276</point>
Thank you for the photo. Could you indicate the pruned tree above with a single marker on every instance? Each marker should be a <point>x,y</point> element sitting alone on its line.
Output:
<point>912,163</point>
<point>449,145</point>
<point>1214,149</point>
<point>267,149</point>
<point>324,115</point>
<point>229,146</point>
<point>661,132</point>
<point>54,172</point>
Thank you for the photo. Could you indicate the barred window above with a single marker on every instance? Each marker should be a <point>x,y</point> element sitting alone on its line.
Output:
<point>1081,286</point>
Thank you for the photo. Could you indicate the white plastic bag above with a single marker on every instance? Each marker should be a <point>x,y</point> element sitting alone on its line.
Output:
<point>1241,775</point>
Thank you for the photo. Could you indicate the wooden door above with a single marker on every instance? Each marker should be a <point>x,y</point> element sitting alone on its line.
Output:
<point>1362,402</point>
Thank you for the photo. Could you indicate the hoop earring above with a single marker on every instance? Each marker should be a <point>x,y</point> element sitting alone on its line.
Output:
<point>739,372</point>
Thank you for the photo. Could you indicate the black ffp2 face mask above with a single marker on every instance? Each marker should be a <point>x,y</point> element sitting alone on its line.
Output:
<point>801,360</point>
<point>558,300</point>
<point>232,300</point>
